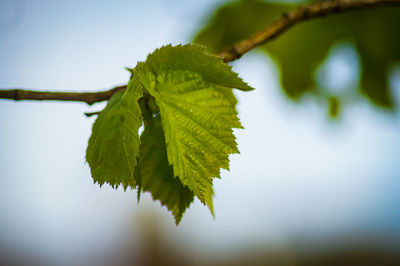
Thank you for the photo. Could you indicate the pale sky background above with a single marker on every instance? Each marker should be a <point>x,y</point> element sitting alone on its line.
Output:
<point>298,174</point>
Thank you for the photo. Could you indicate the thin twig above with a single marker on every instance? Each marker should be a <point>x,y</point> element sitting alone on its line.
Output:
<point>87,97</point>
<point>303,13</point>
<point>89,114</point>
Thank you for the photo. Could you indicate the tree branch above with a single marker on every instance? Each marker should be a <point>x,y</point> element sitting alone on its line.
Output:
<point>87,97</point>
<point>303,13</point>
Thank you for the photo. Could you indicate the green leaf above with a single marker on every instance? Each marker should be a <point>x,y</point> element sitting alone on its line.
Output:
<point>185,95</point>
<point>156,174</point>
<point>194,58</point>
<point>193,90</point>
<point>114,144</point>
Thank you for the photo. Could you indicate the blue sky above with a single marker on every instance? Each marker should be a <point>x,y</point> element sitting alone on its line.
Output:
<point>297,174</point>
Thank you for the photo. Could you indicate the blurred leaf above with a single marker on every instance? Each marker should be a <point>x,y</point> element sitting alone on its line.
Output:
<point>377,38</point>
<point>333,107</point>
<point>303,48</point>
<point>300,51</point>
<point>238,20</point>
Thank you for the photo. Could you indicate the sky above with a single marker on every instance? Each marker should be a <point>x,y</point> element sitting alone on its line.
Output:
<point>298,175</point>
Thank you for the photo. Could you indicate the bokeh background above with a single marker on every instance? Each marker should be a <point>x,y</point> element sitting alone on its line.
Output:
<point>317,181</point>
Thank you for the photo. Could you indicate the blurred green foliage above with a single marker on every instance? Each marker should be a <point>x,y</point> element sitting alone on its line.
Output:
<point>302,49</point>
